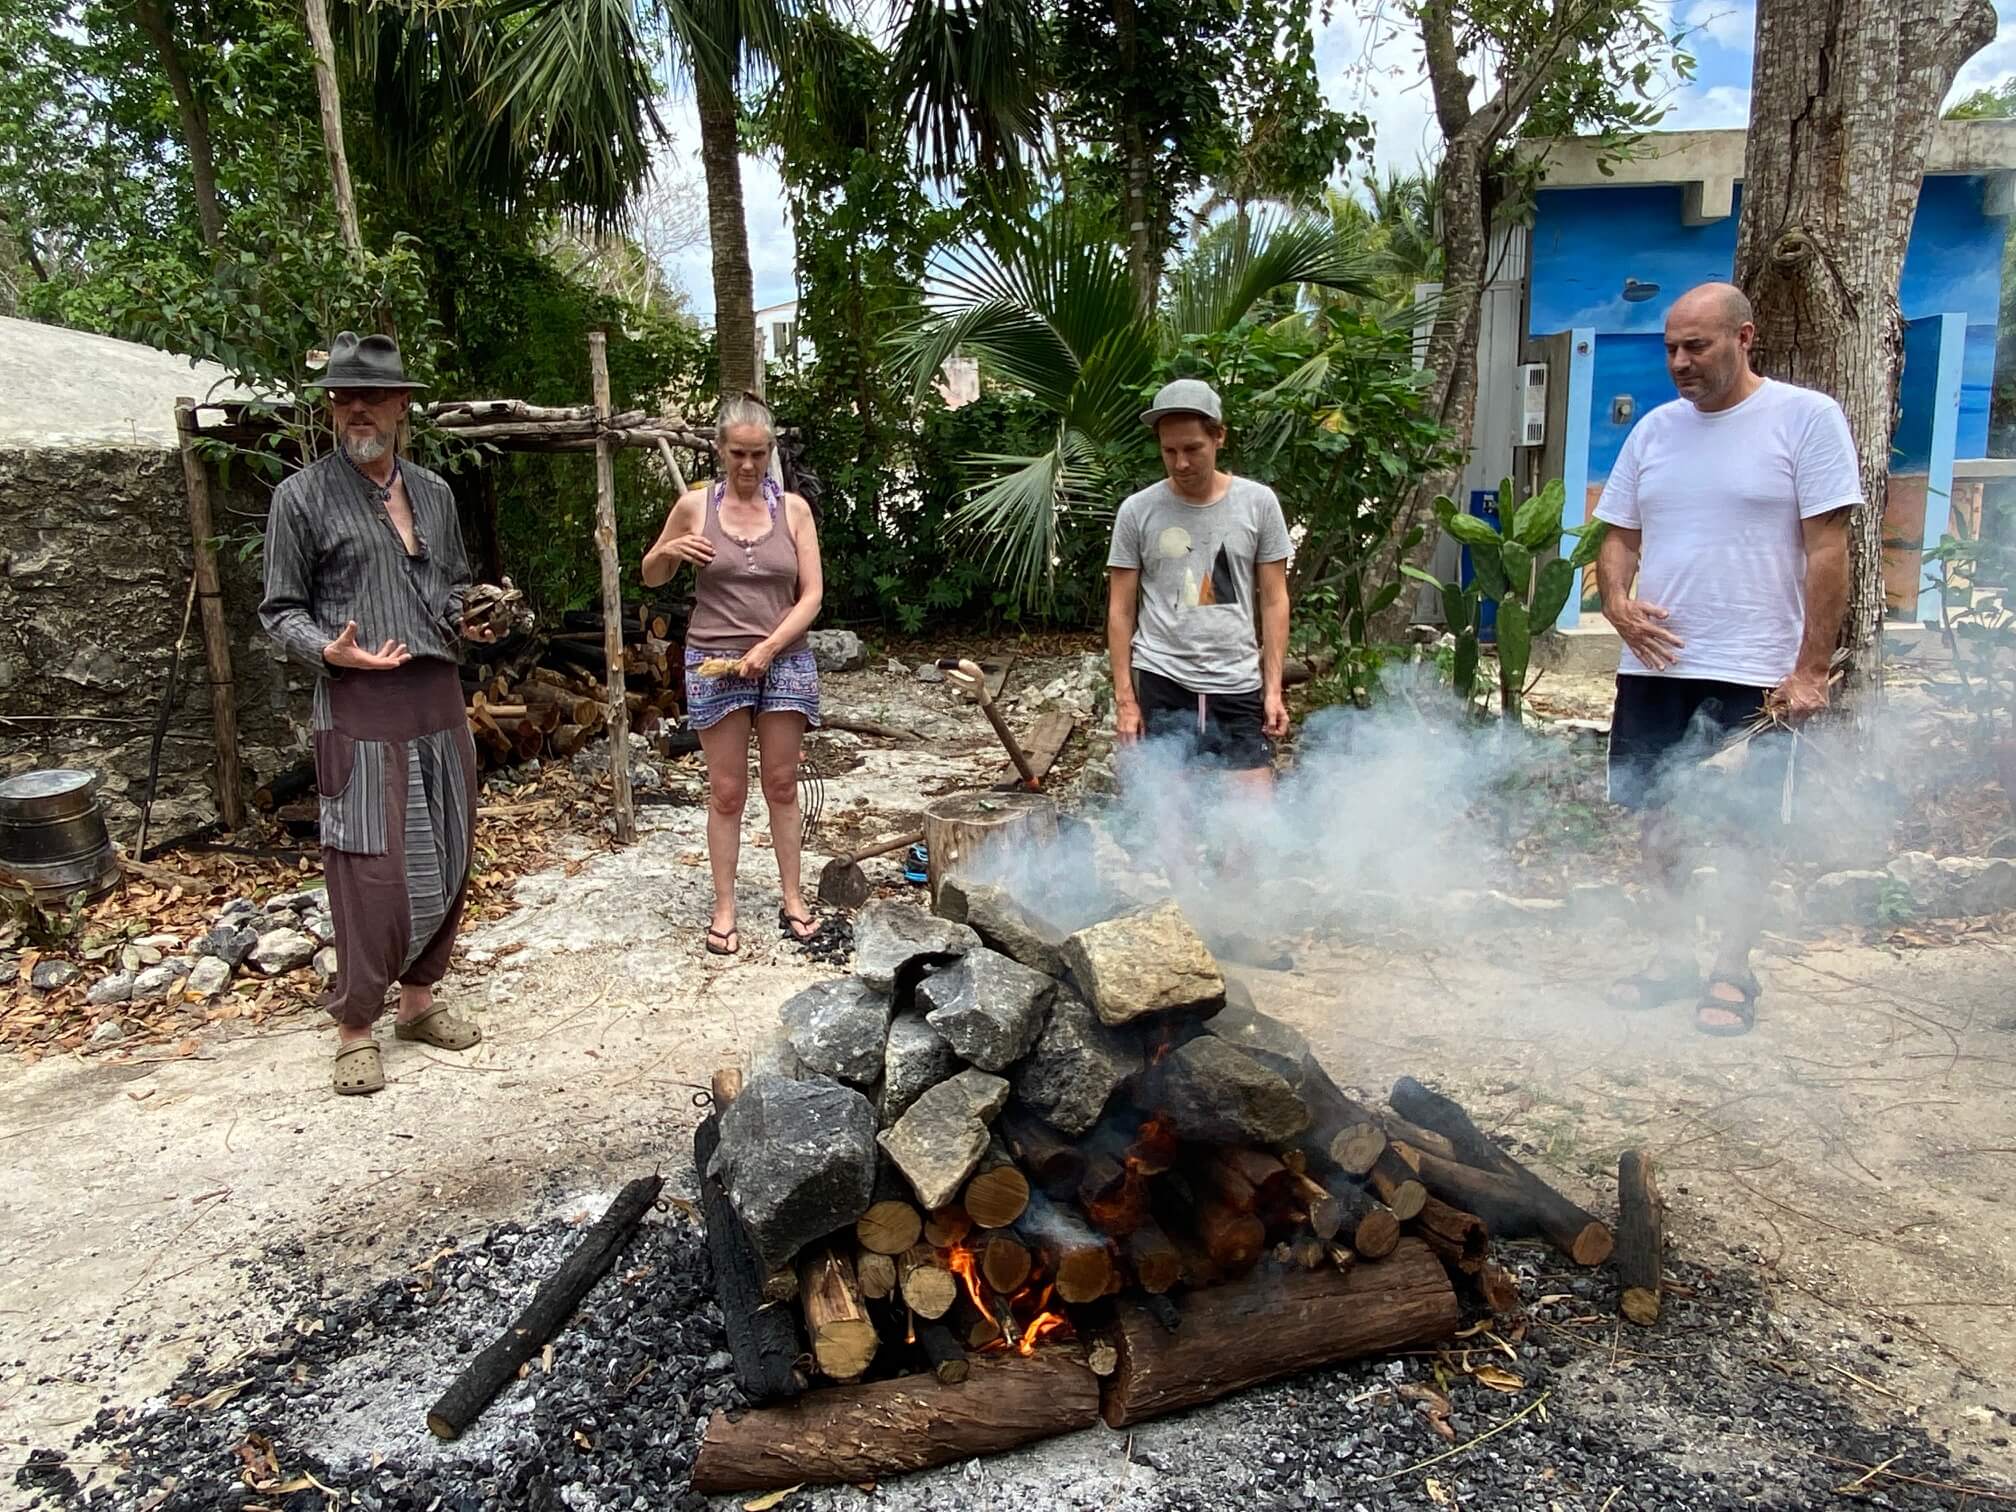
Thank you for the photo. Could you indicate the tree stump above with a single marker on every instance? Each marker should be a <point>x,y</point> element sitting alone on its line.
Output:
<point>978,834</point>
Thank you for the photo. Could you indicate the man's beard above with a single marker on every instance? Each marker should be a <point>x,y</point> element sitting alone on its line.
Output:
<point>366,449</point>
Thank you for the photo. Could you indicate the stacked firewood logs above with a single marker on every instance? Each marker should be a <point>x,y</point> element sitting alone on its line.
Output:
<point>549,699</point>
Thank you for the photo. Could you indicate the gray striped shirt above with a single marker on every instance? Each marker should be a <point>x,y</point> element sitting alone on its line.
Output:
<point>333,555</point>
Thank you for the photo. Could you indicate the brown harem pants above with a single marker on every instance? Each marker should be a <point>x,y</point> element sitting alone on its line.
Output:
<point>396,770</point>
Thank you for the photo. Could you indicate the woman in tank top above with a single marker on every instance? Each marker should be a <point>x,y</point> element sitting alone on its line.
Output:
<point>755,552</point>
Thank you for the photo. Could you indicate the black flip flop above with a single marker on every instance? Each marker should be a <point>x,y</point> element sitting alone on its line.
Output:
<point>1745,1011</point>
<point>724,936</point>
<point>1654,987</point>
<point>785,925</point>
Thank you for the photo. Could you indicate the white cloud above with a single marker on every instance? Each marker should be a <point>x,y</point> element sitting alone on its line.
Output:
<point>1731,24</point>
<point>1374,66</point>
<point>1711,109</point>
<point>772,252</point>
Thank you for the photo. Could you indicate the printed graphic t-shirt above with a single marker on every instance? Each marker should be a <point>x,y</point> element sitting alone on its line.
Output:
<point>1720,498</point>
<point>1195,624</point>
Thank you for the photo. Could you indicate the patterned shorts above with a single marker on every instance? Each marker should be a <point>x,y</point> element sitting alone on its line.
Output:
<point>791,686</point>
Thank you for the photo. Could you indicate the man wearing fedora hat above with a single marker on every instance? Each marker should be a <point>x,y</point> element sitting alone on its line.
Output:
<point>1194,560</point>
<point>364,550</point>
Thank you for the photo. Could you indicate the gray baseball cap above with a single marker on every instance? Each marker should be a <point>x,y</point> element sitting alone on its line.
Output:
<point>1186,396</point>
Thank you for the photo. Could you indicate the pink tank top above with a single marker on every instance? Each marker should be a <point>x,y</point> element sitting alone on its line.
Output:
<point>746,591</point>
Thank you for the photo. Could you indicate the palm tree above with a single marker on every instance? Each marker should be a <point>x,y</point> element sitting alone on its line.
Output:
<point>1053,311</point>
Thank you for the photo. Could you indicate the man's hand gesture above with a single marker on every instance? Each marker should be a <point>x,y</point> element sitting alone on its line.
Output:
<point>1642,627</point>
<point>345,652</point>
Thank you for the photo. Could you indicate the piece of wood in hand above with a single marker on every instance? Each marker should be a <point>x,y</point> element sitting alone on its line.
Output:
<point>1275,1324</point>
<point>843,1337</point>
<point>882,1428</point>
<point>1641,1237</point>
<point>997,1193</point>
<point>889,1227</point>
<point>928,1288</point>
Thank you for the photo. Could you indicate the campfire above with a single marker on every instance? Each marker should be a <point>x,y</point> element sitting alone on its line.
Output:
<point>1004,1182</point>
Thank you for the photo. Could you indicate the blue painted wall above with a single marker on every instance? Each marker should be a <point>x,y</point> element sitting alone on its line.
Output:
<point>1586,242</point>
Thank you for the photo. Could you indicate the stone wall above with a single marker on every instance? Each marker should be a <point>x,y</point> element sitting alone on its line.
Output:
<point>94,573</point>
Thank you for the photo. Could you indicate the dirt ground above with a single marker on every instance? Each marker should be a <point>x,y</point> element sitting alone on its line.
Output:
<point>1855,1151</point>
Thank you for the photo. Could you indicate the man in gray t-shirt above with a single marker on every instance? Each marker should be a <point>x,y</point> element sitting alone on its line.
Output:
<point>1194,558</point>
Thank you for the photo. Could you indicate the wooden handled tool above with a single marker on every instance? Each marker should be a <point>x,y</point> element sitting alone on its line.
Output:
<point>969,673</point>
<point>842,883</point>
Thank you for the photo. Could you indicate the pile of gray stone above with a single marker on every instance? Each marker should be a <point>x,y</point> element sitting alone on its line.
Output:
<point>289,932</point>
<point>891,1079</point>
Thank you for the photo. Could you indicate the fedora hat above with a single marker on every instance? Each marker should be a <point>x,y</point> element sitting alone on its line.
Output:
<point>365,362</point>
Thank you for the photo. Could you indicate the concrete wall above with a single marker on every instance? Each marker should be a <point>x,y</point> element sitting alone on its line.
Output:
<point>94,573</point>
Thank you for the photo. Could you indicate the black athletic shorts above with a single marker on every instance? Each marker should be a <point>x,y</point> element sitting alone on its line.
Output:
<point>1225,730</point>
<point>1662,727</point>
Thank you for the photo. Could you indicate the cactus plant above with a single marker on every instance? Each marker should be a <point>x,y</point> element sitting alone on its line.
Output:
<point>1520,570</point>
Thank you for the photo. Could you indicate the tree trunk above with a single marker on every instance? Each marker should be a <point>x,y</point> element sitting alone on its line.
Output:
<point>154,20</point>
<point>1134,156</point>
<point>331,98</point>
<point>728,235</point>
<point>1845,96</point>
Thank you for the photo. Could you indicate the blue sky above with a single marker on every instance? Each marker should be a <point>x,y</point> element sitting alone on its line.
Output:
<point>1376,70</point>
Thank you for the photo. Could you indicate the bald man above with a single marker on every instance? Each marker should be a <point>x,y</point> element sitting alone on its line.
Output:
<point>1728,512</point>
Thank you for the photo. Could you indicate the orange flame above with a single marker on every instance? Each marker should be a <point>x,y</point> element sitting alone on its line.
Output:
<point>959,1260</point>
<point>1043,1324</point>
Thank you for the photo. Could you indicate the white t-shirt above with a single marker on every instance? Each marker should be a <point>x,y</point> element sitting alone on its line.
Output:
<point>1720,498</point>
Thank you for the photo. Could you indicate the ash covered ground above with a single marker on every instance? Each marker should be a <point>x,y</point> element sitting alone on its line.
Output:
<point>1721,1406</point>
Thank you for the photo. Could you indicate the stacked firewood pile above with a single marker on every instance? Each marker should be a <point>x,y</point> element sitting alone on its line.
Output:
<point>546,696</point>
<point>1003,1182</point>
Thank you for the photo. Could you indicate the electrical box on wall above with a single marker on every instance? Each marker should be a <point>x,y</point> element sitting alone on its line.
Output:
<point>1532,403</point>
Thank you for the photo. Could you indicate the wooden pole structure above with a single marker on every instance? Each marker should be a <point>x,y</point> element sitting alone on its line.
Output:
<point>329,93</point>
<point>612,595</point>
<point>216,639</point>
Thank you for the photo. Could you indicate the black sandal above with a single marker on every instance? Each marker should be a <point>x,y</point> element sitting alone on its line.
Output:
<point>789,927</point>
<point>1659,983</point>
<point>724,936</point>
<point>1745,1012</point>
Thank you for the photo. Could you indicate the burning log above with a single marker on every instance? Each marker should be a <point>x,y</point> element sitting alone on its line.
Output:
<point>550,1308</point>
<point>1641,1237</point>
<point>1114,1194</point>
<point>1364,1222</point>
<point>1005,1263</point>
<point>843,1336</point>
<point>889,1227</point>
<point>1247,1180</point>
<point>947,1356</point>
<point>868,1432</point>
<point>1051,1161</point>
<point>1152,1257</point>
<point>875,1274</point>
<point>946,1226</point>
<point>1305,1318</point>
<point>1075,1258</point>
<point>1398,1187</point>
<point>763,1339</point>
<point>928,1288</point>
<point>1517,1209</point>
<point>1458,1237</point>
<point>997,1193</point>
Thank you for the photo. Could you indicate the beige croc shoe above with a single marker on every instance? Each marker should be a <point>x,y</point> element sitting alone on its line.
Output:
<point>440,1027</point>
<point>358,1069</point>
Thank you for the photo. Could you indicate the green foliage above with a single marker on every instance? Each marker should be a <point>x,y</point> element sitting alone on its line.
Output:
<point>1519,569</point>
<point>1975,580</point>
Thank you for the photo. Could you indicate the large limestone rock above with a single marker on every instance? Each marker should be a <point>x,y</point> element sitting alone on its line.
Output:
<point>837,650</point>
<point>939,1141</point>
<point>1275,1045</point>
<point>1143,963</point>
<point>990,1009</point>
<point>1981,884</point>
<point>1846,897</point>
<point>1218,1095</point>
<point>1075,1066</point>
<point>773,1056</point>
<point>228,942</point>
<point>991,912</point>
<point>208,977</point>
<point>892,938</point>
<point>283,949</point>
<point>797,1160</point>
<point>837,1028</point>
<point>916,1058</point>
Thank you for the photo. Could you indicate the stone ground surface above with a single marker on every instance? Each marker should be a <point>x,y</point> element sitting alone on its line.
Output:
<point>1850,1161</point>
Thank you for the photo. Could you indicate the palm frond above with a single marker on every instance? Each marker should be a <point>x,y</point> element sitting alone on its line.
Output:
<point>971,97</point>
<point>1017,512</point>
<point>1232,272</point>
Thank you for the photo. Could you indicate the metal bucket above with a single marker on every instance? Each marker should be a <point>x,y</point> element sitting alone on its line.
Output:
<point>52,836</point>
